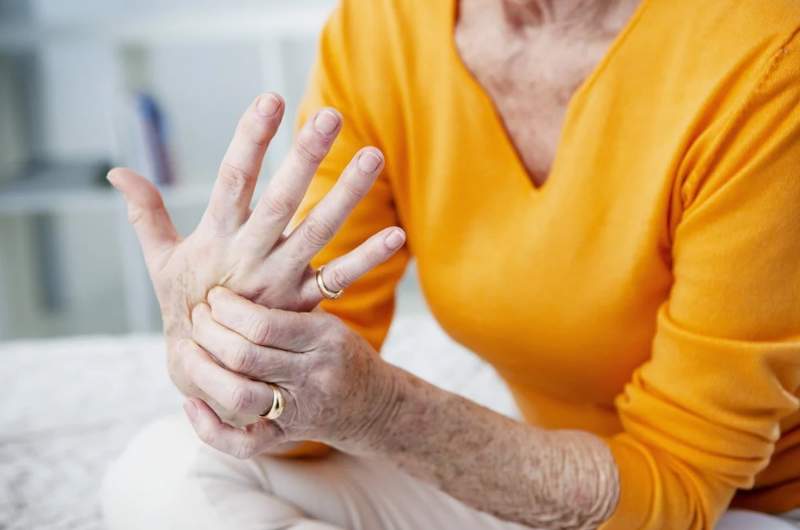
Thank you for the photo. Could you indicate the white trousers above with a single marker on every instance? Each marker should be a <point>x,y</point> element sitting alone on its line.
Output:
<point>167,479</point>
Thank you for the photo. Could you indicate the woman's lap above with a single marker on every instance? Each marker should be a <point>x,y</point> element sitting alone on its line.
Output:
<point>167,479</point>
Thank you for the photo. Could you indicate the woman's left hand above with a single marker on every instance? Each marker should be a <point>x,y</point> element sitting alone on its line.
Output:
<point>337,389</point>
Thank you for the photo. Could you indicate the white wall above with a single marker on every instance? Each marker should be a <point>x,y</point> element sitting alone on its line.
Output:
<point>57,11</point>
<point>78,86</point>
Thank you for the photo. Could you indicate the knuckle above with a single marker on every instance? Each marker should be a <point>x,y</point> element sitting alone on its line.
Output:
<point>242,398</point>
<point>308,150</point>
<point>355,189</point>
<point>135,215</point>
<point>373,254</point>
<point>150,205</point>
<point>278,206</point>
<point>241,360</point>
<point>254,130</point>
<point>317,232</point>
<point>261,329</point>
<point>336,335</point>
<point>327,380</point>
<point>234,179</point>
<point>339,278</point>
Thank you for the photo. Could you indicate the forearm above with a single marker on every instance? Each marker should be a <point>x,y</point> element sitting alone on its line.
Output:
<point>518,472</point>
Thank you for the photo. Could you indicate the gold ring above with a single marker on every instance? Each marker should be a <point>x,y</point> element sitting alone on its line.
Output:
<point>327,293</point>
<point>276,409</point>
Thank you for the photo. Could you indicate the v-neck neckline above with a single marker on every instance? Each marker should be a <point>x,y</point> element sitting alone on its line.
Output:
<point>578,95</point>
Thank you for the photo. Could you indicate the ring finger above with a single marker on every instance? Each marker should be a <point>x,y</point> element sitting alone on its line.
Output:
<point>344,270</point>
<point>233,392</point>
<point>322,223</point>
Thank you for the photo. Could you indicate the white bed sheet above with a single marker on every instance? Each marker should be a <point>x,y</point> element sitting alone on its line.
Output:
<point>68,406</point>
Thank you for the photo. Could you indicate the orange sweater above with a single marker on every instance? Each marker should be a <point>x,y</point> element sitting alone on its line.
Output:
<point>649,292</point>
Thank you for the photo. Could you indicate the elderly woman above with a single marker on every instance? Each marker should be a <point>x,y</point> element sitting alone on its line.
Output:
<point>601,196</point>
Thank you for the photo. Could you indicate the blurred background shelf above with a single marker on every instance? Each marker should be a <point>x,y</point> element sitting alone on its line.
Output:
<point>69,263</point>
<point>271,20</point>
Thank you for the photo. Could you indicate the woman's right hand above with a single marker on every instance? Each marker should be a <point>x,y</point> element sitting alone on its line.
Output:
<point>248,251</point>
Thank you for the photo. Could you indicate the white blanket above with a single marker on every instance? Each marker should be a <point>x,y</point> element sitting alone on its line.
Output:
<point>68,406</point>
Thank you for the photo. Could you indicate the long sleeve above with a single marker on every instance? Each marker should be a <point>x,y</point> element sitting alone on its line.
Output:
<point>702,416</point>
<point>343,61</point>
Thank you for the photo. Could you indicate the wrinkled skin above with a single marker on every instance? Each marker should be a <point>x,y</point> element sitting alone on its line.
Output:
<point>340,392</point>
<point>248,251</point>
<point>337,389</point>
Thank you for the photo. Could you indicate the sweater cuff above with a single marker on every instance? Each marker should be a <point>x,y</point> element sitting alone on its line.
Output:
<point>635,493</point>
<point>306,450</point>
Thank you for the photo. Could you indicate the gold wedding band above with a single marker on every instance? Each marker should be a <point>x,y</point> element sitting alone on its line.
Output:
<point>276,409</point>
<point>327,293</point>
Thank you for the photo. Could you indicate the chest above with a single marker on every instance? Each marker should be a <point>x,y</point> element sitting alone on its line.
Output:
<point>529,74</point>
<point>556,286</point>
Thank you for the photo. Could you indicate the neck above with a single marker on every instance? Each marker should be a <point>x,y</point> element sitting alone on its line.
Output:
<point>539,12</point>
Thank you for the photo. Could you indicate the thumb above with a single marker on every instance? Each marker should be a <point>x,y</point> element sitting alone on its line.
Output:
<point>146,212</point>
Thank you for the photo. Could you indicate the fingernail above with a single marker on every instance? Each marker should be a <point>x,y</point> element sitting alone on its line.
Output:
<point>395,239</point>
<point>268,105</point>
<point>112,177</point>
<point>326,121</point>
<point>368,161</point>
<point>190,408</point>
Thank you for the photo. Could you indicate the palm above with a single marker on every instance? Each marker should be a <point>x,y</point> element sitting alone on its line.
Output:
<point>180,283</point>
<point>248,251</point>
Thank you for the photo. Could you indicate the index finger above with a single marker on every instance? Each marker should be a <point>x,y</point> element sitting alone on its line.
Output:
<point>284,330</point>
<point>230,199</point>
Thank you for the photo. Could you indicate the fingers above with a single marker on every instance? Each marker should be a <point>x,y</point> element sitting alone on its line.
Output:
<point>146,212</point>
<point>241,443</point>
<point>233,392</point>
<point>239,354</point>
<point>285,330</point>
<point>324,221</point>
<point>345,270</point>
<point>285,190</point>
<point>230,199</point>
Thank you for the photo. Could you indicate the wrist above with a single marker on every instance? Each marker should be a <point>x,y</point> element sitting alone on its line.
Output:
<point>382,412</point>
<point>582,465</point>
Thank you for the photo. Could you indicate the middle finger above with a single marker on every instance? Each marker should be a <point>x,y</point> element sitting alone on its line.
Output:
<point>287,187</point>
